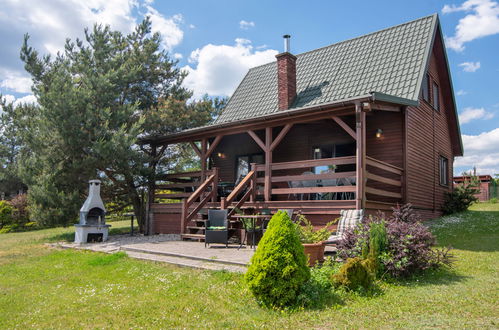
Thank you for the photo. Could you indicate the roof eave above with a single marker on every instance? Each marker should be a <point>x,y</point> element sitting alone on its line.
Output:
<point>377,96</point>
<point>373,96</point>
<point>275,115</point>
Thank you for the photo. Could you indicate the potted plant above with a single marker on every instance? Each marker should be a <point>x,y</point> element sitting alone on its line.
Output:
<point>312,238</point>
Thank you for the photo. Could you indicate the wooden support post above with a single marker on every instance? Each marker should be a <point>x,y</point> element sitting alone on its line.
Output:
<point>214,185</point>
<point>360,130</point>
<point>268,164</point>
<point>204,148</point>
<point>149,216</point>
<point>185,212</point>
<point>253,183</point>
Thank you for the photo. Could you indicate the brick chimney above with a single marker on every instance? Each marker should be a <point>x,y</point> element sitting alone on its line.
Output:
<point>286,76</point>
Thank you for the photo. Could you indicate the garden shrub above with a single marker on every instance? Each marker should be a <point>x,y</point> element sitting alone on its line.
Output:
<point>461,197</point>
<point>375,248</point>
<point>318,290</point>
<point>6,210</point>
<point>278,269</point>
<point>409,243</point>
<point>354,275</point>
<point>20,213</point>
<point>493,200</point>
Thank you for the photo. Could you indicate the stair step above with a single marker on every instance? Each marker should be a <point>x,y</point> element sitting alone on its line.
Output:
<point>184,262</point>
<point>193,236</point>
<point>195,227</point>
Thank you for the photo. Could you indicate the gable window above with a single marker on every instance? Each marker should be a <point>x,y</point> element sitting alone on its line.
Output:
<point>444,171</point>
<point>436,97</point>
<point>425,88</point>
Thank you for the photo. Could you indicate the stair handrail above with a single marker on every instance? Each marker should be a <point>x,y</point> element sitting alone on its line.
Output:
<point>248,181</point>
<point>187,215</point>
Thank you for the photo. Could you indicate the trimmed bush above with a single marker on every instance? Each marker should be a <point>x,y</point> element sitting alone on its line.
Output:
<point>354,275</point>
<point>278,269</point>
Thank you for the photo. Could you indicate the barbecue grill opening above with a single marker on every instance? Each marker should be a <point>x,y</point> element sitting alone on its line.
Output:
<point>95,216</point>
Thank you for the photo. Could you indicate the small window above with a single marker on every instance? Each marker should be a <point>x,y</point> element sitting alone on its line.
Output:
<point>425,88</point>
<point>444,174</point>
<point>436,97</point>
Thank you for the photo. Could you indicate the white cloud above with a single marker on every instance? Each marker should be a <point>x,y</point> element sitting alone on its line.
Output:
<point>482,20</point>
<point>26,99</point>
<point>461,92</point>
<point>22,100</point>
<point>168,27</point>
<point>192,26</point>
<point>470,66</point>
<point>220,68</point>
<point>15,81</point>
<point>177,56</point>
<point>49,23</point>
<point>245,25</point>
<point>480,151</point>
<point>469,114</point>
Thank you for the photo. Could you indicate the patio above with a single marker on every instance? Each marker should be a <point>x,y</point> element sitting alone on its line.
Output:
<point>169,249</point>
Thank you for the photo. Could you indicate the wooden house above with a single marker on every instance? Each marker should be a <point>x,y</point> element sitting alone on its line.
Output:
<point>366,123</point>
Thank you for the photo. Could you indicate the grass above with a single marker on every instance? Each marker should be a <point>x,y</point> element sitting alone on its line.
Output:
<point>42,287</point>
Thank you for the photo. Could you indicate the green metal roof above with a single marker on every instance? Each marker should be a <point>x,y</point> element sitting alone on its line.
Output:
<point>389,63</point>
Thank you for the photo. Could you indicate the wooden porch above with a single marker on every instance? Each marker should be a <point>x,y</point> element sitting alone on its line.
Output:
<point>349,182</point>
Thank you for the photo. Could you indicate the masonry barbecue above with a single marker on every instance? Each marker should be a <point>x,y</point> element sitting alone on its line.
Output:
<point>92,226</point>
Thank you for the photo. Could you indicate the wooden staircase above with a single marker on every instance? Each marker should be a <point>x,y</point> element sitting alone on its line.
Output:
<point>195,228</point>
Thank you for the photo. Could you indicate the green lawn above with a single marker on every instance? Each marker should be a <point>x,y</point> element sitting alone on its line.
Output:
<point>45,288</point>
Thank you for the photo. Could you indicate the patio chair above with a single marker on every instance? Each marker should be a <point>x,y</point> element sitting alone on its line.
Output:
<point>329,183</point>
<point>309,183</point>
<point>295,184</point>
<point>217,230</point>
<point>348,219</point>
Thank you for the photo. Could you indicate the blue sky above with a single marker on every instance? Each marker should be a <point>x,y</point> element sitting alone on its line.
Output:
<point>218,41</point>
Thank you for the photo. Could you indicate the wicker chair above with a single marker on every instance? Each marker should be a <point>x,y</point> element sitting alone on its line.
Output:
<point>217,230</point>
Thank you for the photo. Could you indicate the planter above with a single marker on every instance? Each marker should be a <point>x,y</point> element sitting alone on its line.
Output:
<point>315,252</point>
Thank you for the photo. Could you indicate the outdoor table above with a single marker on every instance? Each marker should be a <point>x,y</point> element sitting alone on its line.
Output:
<point>253,219</point>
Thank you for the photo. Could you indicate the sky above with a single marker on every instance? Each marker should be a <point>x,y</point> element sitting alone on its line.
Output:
<point>218,41</point>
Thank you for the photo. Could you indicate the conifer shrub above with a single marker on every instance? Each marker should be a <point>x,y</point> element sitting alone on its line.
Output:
<point>354,275</point>
<point>462,196</point>
<point>278,269</point>
<point>375,248</point>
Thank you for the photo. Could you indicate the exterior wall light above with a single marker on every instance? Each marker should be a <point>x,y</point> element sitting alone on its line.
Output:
<point>379,133</point>
<point>221,155</point>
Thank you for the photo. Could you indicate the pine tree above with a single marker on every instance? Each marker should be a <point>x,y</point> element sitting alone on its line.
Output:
<point>96,99</point>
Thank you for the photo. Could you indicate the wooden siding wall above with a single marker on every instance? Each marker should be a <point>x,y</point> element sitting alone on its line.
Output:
<point>428,137</point>
<point>388,148</point>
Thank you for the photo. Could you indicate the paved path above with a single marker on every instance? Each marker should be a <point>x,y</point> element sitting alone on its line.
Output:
<point>167,248</point>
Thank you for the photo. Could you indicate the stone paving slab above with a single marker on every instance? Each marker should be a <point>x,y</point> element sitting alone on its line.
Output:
<point>170,249</point>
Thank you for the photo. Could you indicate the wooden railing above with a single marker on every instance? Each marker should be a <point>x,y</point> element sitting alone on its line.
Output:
<point>307,165</point>
<point>248,183</point>
<point>204,193</point>
<point>384,180</point>
<point>174,185</point>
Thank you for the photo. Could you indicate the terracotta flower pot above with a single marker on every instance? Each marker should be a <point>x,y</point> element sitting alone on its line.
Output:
<point>315,252</point>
